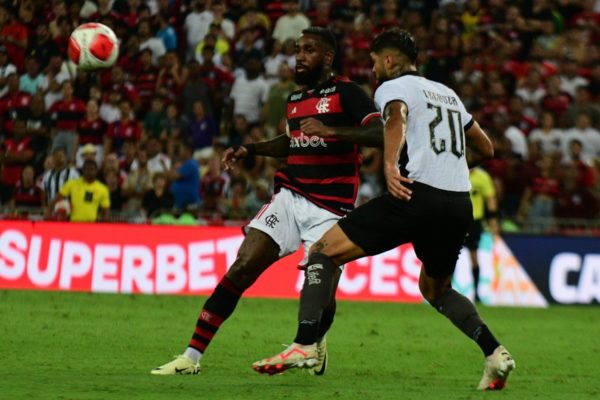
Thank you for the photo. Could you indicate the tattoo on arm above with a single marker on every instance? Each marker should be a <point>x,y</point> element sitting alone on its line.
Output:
<point>319,246</point>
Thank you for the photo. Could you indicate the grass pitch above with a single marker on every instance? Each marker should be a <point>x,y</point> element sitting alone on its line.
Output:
<point>91,346</point>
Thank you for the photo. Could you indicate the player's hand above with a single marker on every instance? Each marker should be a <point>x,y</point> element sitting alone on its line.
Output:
<point>314,127</point>
<point>394,181</point>
<point>231,155</point>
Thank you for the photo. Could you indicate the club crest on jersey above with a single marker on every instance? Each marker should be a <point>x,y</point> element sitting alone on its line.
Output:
<point>323,105</point>
<point>307,141</point>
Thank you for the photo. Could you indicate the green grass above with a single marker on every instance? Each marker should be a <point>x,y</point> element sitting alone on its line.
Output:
<point>92,346</point>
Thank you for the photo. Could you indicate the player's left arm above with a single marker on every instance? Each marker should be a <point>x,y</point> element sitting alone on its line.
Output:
<point>394,135</point>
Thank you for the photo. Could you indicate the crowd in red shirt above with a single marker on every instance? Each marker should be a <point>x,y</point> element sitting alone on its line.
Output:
<point>528,71</point>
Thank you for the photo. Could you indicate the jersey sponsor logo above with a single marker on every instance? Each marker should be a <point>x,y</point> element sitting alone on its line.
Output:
<point>323,105</point>
<point>296,96</point>
<point>328,90</point>
<point>307,141</point>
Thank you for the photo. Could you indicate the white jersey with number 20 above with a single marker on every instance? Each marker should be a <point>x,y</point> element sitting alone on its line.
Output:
<point>435,132</point>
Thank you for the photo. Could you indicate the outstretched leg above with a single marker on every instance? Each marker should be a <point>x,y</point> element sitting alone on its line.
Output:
<point>321,278</point>
<point>257,252</point>
<point>463,314</point>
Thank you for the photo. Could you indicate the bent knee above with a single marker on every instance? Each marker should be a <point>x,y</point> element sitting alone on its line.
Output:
<point>431,290</point>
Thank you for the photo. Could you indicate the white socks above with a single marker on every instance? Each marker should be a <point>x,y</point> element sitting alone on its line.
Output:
<point>194,354</point>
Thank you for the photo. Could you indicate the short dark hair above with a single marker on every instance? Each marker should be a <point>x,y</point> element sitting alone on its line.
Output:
<point>327,37</point>
<point>397,39</point>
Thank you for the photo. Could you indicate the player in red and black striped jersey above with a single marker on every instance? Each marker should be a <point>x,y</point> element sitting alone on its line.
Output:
<point>317,187</point>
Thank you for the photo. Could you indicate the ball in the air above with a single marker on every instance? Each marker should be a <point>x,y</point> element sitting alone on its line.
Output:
<point>93,46</point>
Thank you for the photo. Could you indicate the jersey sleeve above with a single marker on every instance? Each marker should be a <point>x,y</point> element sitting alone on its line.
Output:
<point>105,199</point>
<point>358,104</point>
<point>391,91</point>
<point>65,190</point>
<point>465,116</point>
<point>487,187</point>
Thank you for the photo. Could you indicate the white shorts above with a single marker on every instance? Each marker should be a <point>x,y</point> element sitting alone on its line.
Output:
<point>291,220</point>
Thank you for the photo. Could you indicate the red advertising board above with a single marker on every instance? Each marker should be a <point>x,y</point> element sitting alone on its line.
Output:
<point>119,258</point>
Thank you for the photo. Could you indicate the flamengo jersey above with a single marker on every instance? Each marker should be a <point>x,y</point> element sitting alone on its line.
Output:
<point>434,153</point>
<point>325,171</point>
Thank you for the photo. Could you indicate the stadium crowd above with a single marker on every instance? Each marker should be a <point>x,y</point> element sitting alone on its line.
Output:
<point>194,78</point>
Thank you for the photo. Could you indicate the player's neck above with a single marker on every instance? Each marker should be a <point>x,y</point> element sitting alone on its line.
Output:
<point>325,76</point>
<point>400,70</point>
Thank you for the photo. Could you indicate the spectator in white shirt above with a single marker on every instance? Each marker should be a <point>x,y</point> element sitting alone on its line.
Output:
<point>513,134</point>
<point>569,80</point>
<point>547,136</point>
<point>584,133</point>
<point>249,92</point>
<point>196,26</point>
<point>6,68</point>
<point>290,25</point>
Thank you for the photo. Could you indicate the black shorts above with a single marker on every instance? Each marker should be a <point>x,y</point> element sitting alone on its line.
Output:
<point>435,221</point>
<point>474,235</point>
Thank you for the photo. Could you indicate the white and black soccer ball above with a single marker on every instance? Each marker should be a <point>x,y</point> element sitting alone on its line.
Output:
<point>93,46</point>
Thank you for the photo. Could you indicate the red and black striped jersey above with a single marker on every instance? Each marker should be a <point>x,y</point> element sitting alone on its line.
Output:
<point>325,171</point>
<point>91,131</point>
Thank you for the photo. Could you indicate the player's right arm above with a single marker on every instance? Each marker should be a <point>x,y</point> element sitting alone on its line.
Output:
<point>277,147</point>
<point>479,145</point>
<point>394,139</point>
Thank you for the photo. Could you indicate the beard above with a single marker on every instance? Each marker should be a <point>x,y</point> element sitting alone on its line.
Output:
<point>309,77</point>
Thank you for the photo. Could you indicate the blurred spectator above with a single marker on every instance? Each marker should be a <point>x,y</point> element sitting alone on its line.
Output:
<point>170,77</point>
<point>546,136</point>
<point>583,104</point>
<point>88,196</point>
<point>91,130</point>
<point>124,129</point>
<point>539,197</point>
<point>111,163</point>
<point>158,198</point>
<point>225,25</point>
<point>6,68</point>
<point>147,41</point>
<point>185,179</point>
<point>55,178</point>
<point>247,47</point>
<point>111,179</point>
<point>195,89</point>
<point>574,200</point>
<point>43,47</point>
<point>145,80</point>
<point>513,134</point>
<point>517,116</point>
<point>66,114</point>
<point>196,26</point>
<point>14,104</point>
<point>585,173</point>
<point>236,205</point>
<point>586,135</point>
<point>26,193</point>
<point>158,162</point>
<point>155,119</point>
<point>556,100</point>
<point>125,88</point>
<point>201,129</point>
<point>569,79</point>
<point>31,81</point>
<point>291,25</point>
<point>38,128</point>
<point>138,181</point>
<point>110,110</point>
<point>166,33</point>
<point>13,35</point>
<point>531,89</point>
<point>172,127</point>
<point>249,92</point>
<point>17,153</point>
<point>275,109</point>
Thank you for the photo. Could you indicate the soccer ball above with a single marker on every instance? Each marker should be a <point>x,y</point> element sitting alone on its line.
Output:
<point>93,46</point>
